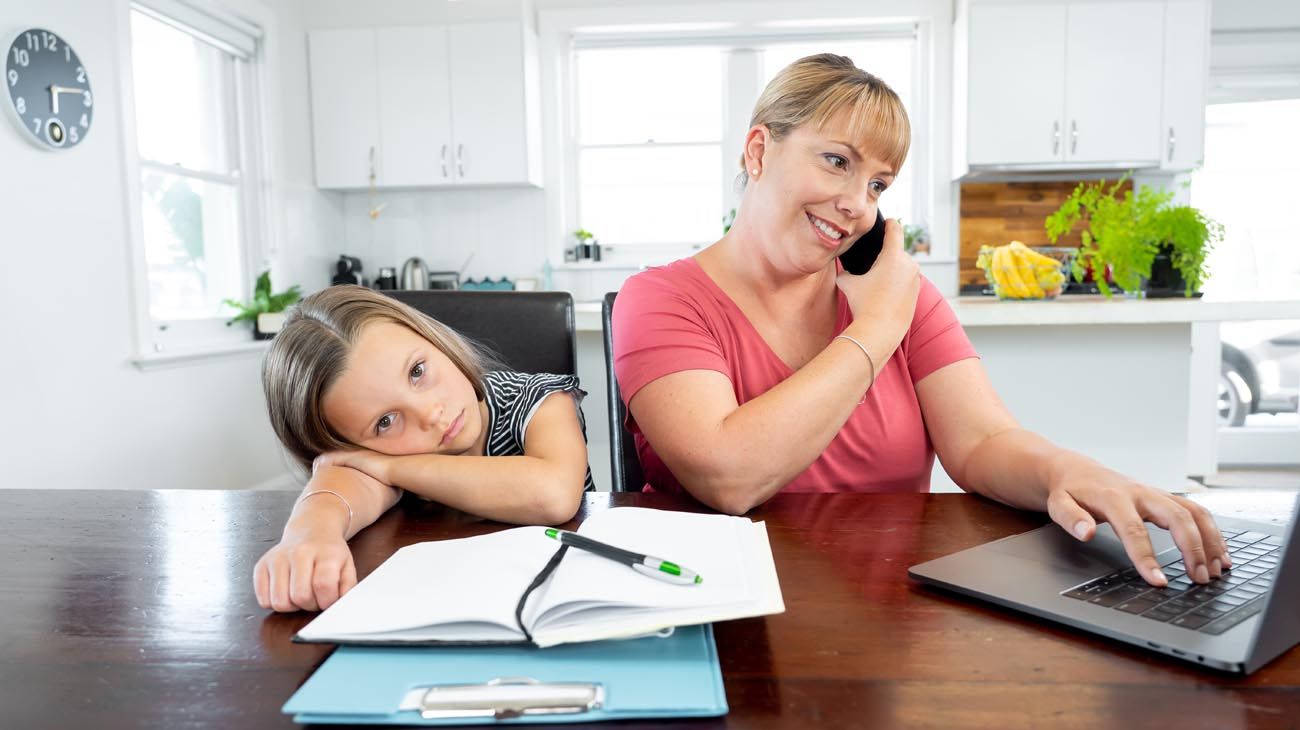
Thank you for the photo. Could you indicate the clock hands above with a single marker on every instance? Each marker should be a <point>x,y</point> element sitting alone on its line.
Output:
<point>56,90</point>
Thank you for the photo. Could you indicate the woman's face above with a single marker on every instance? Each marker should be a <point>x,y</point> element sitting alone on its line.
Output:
<point>816,193</point>
<point>401,395</point>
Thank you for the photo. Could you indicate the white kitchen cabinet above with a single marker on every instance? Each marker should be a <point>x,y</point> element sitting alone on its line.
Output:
<point>345,106</point>
<point>1072,84</point>
<point>1187,73</point>
<point>1015,105</point>
<point>425,107</point>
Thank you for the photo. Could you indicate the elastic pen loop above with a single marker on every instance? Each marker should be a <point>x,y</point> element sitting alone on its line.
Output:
<point>545,573</point>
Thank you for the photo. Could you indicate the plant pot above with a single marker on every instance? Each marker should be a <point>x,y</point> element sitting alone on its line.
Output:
<point>1166,281</point>
<point>267,325</point>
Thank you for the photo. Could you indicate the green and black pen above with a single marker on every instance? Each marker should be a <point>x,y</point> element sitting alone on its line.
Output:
<point>647,564</point>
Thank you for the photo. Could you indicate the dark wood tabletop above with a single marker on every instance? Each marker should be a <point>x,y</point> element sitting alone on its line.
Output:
<point>136,609</point>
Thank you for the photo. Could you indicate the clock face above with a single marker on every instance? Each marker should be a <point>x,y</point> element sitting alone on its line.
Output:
<point>49,90</point>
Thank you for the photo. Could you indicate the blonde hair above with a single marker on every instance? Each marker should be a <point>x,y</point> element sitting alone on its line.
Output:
<point>818,89</point>
<point>314,347</point>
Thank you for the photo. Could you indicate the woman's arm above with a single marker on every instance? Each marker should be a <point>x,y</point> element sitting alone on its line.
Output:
<point>733,457</point>
<point>544,486</point>
<point>985,450</point>
<point>311,566</point>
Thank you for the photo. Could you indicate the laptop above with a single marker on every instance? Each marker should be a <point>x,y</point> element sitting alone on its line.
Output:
<point>1237,623</point>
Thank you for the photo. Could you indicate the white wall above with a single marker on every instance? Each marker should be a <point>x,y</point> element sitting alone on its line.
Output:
<point>76,413</point>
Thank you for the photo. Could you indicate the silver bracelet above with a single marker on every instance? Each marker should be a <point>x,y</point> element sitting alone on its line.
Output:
<point>870,362</point>
<point>342,499</point>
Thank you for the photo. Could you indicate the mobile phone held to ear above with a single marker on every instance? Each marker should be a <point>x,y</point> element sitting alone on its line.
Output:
<point>862,254</point>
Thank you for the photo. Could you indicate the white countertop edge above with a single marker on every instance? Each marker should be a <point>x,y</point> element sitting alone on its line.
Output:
<point>1083,310</point>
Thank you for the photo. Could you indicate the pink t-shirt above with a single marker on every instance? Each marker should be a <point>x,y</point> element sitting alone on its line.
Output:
<point>674,318</point>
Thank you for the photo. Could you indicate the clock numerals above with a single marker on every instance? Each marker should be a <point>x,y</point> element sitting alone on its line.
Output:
<point>72,134</point>
<point>36,126</point>
<point>81,75</point>
<point>21,105</point>
<point>85,97</point>
<point>13,78</point>
<point>33,72</point>
<point>85,122</point>
<point>21,58</point>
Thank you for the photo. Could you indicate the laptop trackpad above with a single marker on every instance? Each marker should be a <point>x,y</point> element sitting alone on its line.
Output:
<point>1051,545</point>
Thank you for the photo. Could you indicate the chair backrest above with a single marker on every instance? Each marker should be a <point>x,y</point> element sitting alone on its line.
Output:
<point>625,467</point>
<point>531,332</point>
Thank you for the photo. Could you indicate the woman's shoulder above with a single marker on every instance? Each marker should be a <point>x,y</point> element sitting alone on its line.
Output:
<point>670,287</point>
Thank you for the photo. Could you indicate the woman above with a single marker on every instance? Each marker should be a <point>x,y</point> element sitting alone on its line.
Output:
<point>759,366</point>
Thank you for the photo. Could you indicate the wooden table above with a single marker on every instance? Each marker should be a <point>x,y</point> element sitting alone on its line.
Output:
<point>135,609</point>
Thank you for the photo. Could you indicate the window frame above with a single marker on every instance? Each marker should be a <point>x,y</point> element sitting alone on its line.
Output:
<point>742,57</point>
<point>171,342</point>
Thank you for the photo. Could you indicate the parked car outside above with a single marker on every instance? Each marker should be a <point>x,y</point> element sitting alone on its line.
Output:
<point>1259,370</point>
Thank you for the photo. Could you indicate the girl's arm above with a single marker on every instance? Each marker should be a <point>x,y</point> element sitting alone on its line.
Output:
<point>311,566</point>
<point>544,486</point>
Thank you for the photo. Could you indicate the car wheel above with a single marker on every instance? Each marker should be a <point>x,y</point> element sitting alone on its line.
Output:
<point>1232,409</point>
<point>1233,360</point>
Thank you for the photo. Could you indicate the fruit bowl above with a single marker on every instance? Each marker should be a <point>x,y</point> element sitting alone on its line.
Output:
<point>1018,272</point>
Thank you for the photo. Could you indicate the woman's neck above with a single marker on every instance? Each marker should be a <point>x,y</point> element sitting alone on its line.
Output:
<point>737,264</point>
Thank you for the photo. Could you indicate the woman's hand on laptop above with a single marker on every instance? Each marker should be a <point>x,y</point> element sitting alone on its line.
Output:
<point>1085,493</point>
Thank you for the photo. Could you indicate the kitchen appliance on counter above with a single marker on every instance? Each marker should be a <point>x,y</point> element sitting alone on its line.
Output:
<point>347,270</point>
<point>444,279</point>
<point>387,279</point>
<point>415,274</point>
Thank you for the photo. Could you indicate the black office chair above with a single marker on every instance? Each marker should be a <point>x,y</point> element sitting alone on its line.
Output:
<point>532,332</point>
<point>625,467</point>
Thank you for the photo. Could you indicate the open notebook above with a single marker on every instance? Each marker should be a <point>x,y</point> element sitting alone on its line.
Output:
<point>467,590</point>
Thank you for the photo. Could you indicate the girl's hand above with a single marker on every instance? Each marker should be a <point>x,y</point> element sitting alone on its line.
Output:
<point>307,571</point>
<point>370,463</point>
<point>1083,496</point>
<point>886,295</point>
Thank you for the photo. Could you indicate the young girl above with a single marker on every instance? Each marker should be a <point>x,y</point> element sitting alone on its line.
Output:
<point>375,398</point>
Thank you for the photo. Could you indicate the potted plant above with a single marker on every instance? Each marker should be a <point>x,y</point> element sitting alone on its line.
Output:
<point>916,239</point>
<point>266,311</point>
<point>1149,245</point>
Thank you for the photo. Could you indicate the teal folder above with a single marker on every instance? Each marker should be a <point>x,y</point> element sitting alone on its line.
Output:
<point>653,677</point>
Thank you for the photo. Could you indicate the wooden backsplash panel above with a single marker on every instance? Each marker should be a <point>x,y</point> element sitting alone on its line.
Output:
<point>998,213</point>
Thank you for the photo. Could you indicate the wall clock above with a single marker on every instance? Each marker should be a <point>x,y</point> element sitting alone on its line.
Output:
<point>49,91</point>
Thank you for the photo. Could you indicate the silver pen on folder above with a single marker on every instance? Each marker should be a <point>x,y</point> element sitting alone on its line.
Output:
<point>664,570</point>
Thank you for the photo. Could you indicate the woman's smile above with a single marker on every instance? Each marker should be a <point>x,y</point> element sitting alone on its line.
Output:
<point>828,233</point>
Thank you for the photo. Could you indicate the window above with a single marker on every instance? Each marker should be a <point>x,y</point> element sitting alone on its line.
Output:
<point>1247,184</point>
<point>656,123</point>
<point>199,226</point>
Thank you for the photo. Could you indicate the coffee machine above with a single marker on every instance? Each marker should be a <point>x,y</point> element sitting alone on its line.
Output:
<point>348,271</point>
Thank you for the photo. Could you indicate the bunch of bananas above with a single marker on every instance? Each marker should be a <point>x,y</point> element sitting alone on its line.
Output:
<point>1019,272</point>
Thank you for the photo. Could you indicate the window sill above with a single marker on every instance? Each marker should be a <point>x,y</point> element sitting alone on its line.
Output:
<point>198,355</point>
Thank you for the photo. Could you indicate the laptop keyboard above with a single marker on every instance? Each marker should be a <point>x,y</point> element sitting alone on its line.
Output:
<point>1212,608</point>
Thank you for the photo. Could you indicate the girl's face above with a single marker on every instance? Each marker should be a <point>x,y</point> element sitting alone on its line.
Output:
<point>401,395</point>
<point>819,193</point>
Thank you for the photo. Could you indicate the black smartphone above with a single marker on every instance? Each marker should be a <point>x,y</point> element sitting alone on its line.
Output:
<point>862,254</point>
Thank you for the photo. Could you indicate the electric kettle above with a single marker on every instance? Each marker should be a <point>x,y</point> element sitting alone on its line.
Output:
<point>415,274</point>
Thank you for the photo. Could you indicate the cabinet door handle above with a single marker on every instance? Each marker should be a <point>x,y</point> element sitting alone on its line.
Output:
<point>1171,144</point>
<point>460,160</point>
<point>1074,136</point>
<point>372,164</point>
<point>1056,138</point>
<point>442,159</point>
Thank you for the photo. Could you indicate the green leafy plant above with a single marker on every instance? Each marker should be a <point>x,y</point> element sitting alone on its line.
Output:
<point>263,300</point>
<point>914,234</point>
<point>1127,232</point>
<point>727,220</point>
<point>583,235</point>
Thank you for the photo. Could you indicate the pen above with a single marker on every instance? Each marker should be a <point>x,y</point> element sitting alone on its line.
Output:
<point>647,564</point>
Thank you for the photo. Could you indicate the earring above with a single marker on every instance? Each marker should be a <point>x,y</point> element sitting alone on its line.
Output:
<point>754,172</point>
